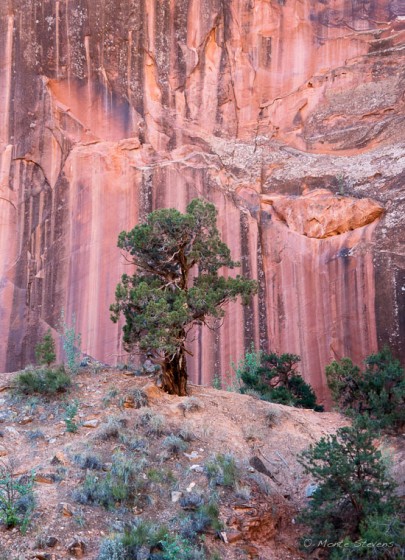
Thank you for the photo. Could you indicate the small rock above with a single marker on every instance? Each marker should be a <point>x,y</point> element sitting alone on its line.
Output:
<point>128,372</point>
<point>26,420</point>
<point>43,556</point>
<point>59,459</point>
<point>197,468</point>
<point>234,536</point>
<point>224,537</point>
<point>77,547</point>
<point>3,451</point>
<point>191,456</point>
<point>92,423</point>
<point>51,542</point>
<point>176,496</point>
<point>66,509</point>
<point>45,478</point>
<point>190,487</point>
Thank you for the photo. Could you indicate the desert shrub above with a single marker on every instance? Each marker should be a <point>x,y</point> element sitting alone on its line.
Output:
<point>379,390</point>
<point>191,500</point>
<point>274,377</point>
<point>204,518</point>
<point>45,352</point>
<point>44,381</point>
<point>121,485</point>
<point>112,549</point>
<point>153,422</point>
<point>272,417</point>
<point>140,398</point>
<point>190,404</point>
<point>186,434</point>
<point>147,540</point>
<point>88,461</point>
<point>135,443</point>
<point>222,470</point>
<point>34,435</point>
<point>69,416</point>
<point>111,429</point>
<point>352,484</point>
<point>16,498</point>
<point>176,547</point>
<point>174,444</point>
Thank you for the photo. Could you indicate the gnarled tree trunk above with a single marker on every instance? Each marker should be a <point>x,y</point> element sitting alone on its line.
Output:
<point>174,374</point>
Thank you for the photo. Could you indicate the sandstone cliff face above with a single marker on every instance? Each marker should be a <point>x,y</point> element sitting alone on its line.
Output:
<point>109,109</point>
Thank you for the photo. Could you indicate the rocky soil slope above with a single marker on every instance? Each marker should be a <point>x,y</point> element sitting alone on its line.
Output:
<point>258,514</point>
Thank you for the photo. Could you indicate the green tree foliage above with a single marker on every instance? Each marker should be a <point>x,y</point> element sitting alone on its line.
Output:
<point>353,487</point>
<point>275,378</point>
<point>45,350</point>
<point>176,285</point>
<point>379,390</point>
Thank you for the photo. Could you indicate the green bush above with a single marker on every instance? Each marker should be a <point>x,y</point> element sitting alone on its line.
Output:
<point>352,485</point>
<point>274,378</point>
<point>149,540</point>
<point>121,485</point>
<point>16,499</point>
<point>222,470</point>
<point>69,416</point>
<point>174,445</point>
<point>45,352</point>
<point>378,391</point>
<point>45,381</point>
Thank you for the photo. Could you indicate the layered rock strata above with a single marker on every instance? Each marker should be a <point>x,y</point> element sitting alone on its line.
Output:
<point>110,109</point>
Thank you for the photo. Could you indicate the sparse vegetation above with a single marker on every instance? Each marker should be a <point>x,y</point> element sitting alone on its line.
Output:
<point>16,498</point>
<point>174,445</point>
<point>88,461</point>
<point>162,300</point>
<point>121,485</point>
<point>190,404</point>
<point>153,422</point>
<point>139,397</point>
<point>111,429</point>
<point>45,352</point>
<point>221,470</point>
<point>43,381</point>
<point>69,416</point>
<point>378,391</point>
<point>272,417</point>
<point>149,541</point>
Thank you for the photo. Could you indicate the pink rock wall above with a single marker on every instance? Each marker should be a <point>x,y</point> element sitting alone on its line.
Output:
<point>109,109</point>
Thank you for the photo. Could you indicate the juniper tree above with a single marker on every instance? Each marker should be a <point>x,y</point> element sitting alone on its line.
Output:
<point>353,485</point>
<point>45,352</point>
<point>379,390</point>
<point>176,284</point>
